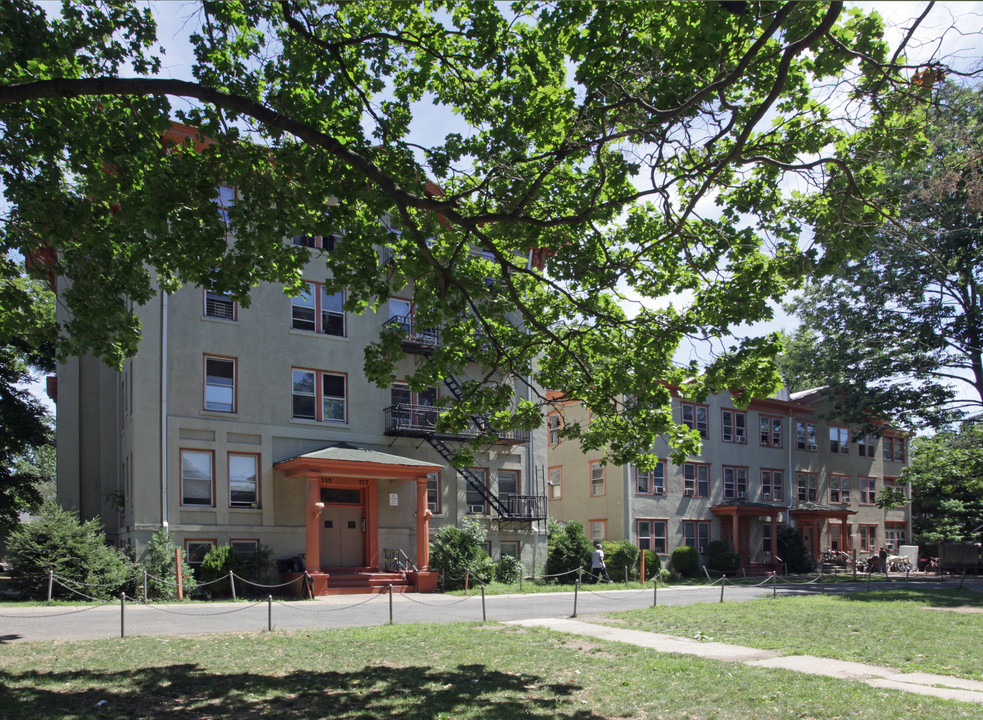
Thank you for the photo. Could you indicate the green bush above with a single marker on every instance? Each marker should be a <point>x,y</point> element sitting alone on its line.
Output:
<point>455,551</point>
<point>716,547</point>
<point>509,570</point>
<point>483,569</point>
<point>792,550</point>
<point>664,576</point>
<point>219,561</point>
<point>160,562</point>
<point>652,564</point>
<point>721,558</point>
<point>685,560</point>
<point>77,552</point>
<point>569,550</point>
<point>621,556</point>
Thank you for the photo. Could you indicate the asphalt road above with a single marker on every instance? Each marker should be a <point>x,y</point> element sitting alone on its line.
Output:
<point>112,620</point>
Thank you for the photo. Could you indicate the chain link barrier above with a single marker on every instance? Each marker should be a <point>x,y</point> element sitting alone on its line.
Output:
<point>169,611</point>
<point>367,600</point>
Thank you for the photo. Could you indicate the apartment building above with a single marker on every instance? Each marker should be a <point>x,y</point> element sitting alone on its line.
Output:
<point>257,426</point>
<point>775,462</point>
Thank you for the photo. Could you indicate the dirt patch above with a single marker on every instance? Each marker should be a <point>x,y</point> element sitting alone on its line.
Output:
<point>583,646</point>
<point>959,609</point>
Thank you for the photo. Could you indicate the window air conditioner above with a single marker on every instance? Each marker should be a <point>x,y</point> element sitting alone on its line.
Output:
<point>689,491</point>
<point>766,496</point>
<point>703,550</point>
<point>659,491</point>
<point>742,496</point>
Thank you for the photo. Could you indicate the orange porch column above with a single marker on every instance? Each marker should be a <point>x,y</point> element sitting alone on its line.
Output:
<point>735,534</point>
<point>774,540</point>
<point>312,545</point>
<point>422,525</point>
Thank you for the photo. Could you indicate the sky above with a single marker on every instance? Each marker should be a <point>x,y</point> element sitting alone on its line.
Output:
<point>952,30</point>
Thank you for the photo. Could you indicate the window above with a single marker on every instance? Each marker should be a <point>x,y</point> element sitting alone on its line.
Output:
<point>696,479</point>
<point>219,306</point>
<point>733,426</point>
<point>245,550</point>
<point>766,538</point>
<point>225,198</point>
<point>509,548</point>
<point>473,496</point>
<point>895,535</point>
<point>839,488</point>
<point>866,446</point>
<point>894,449</point>
<point>196,550</point>
<point>318,395</point>
<point>322,242</point>
<point>197,488</point>
<point>839,440</point>
<point>735,482</point>
<point>556,483</point>
<point>316,311</point>
<point>770,431</point>
<point>508,485</point>
<point>433,492</point>
<point>805,435</point>
<point>695,417</point>
<point>696,533</point>
<point>651,482</point>
<point>806,486</point>
<point>897,484</point>
<point>597,479</point>
<point>868,490</point>
<point>772,485</point>
<point>651,535</point>
<point>243,480</point>
<point>553,424</point>
<point>598,529</point>
<point>220,384</point>
<point>868,538</point>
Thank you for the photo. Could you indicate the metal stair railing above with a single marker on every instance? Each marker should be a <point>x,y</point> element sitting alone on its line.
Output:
<point>472,478</point>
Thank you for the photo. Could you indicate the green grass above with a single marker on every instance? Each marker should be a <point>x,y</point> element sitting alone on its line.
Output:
<point>907,629</point>
<point>419,671</point>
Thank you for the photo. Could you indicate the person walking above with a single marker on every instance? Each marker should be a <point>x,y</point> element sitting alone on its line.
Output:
<point>597,567</point>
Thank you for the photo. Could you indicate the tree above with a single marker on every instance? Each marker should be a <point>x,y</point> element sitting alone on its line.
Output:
<point>899,332</point>
<point>946,476</point>
<point>598,160</point>
<point>568,551</point>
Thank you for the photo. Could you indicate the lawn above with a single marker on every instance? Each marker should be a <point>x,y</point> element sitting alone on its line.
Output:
<point>916,630</point>
<point>421,671</point>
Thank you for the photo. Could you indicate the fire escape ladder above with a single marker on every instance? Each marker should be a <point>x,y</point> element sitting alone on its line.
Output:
<point>454,385</point>
<point>473,479</point>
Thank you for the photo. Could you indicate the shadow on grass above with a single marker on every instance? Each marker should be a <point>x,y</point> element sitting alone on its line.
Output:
<point>955,597</point>
<point>187,690</point>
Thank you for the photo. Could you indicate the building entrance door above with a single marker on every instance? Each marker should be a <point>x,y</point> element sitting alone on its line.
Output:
<point>805,532</point>
<point>342,535</point>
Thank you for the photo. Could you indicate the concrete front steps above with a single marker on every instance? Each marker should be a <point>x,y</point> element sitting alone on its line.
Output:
<point>361,581</point>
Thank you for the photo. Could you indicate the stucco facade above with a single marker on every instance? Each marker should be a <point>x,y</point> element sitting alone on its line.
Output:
<point>775,462</point>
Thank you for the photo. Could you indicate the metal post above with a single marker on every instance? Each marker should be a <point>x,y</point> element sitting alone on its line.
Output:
<point>269,613</point>
<point>576,586</point>
<point>51,583</point>
<point>122,614</point>
<point>467,578</point>
<point>655,592</point>
<point>774,584</point>
<point>723,581</point>
<point>822,582</point>
<point>963,578</point>
<point>232,584</point>
<point>145,598</point>
<point>520,580</point>
<point>484,616</point>
<point>626,574</point>
<point>177,571</point>
<point>390,604</point>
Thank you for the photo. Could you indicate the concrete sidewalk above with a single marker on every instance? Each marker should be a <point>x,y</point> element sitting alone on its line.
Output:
<point>940,686</point>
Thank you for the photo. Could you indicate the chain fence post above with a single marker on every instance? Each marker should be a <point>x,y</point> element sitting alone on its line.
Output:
<point>269,613</point>
<point>122,614</point>
<point>655,592</point>
<point>146,598</point>
<point>484,616</point>
<point>520,580</point>
<point>390,604</point>
<point>51,583</point>
<point>177,571</point>
<point>962,579</point>
<point>232,585</point>
<point>467,579</point>
<point>576,587</point>
<point>723,581</point>
<point>774,584</point>
<point>822,581</point>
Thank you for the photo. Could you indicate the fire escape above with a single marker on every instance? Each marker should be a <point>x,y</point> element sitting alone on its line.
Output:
<point>420,421</point>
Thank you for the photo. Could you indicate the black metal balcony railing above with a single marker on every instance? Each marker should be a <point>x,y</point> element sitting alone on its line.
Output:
<point>524,507</point>
<point>417,421</point>
<point>416,339</point>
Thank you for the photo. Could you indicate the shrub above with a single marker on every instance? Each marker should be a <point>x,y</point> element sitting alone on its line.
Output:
<point>219,561</point>
<point>455,551</point>
<point>792,550</point>
<point>77,552</point>
<point>621,556</point>
<point>652,565</point>
<point>482,570</point>
<point>569,550</point>
<point>160,562</point>
<point>509,570</point>
<point>685,560</point>
<point>716,547</point>
<point>721,558</point>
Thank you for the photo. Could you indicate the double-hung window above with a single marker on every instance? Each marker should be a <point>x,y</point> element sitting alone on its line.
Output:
<point>597,479</point>
<point>473,496</point>
<point>197,478</point>
<point>553,425</point>
<point>695,417</point>
<point>433,492</point>
<point>651,535</point>
<point>896,484</point>
<point>735,482</point>
<point>314,310</point>
<point>806,486</point>
<point>868,490</point>
<point>772,485</point>
<point>733,426</point>
<point>769,431</point>
<point>556,483</point>
<point>839,440</point>
<point>894,449</point>
<point>868,538</point>
<point>839,489</point>
<point>319,242</point>
<point>696,534</point>
<point>805,435</point>
<point>243,480</point>
<point>866,446</point>
<point>895,534</point>
<point>696,479</point>
<point>220,384</point>
<point>225,198</point>
<point>508,487</point>
<point>318,395</point>
<point>651,482</point>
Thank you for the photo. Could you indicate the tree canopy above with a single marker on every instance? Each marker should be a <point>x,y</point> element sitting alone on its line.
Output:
<point>899,332</point>
<point>664,159</point>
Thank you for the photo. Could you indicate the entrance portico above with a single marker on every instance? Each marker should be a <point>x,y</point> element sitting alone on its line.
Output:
<point>342,508</point>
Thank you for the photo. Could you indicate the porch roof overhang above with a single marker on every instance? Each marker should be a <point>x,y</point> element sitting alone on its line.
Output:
<point>352,461</point>
<point>811,510</point>
<point>747,508</point>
